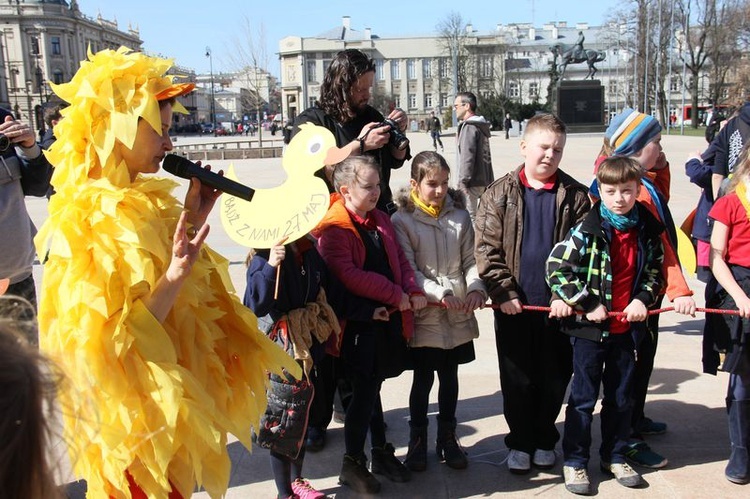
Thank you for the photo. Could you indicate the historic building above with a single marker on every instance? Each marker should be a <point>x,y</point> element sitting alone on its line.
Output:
<point>415,72</point>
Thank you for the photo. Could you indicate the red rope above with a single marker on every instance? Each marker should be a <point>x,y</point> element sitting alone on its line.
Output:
<point>534,308</point>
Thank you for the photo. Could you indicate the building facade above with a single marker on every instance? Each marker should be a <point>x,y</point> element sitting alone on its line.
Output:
<point>416,72</point>
<point>45,40</point>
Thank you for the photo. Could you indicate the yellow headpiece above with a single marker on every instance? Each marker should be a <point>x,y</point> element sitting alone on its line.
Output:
<point>107,95</point>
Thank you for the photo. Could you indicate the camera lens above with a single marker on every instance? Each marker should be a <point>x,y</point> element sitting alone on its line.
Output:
<point>4,142</point>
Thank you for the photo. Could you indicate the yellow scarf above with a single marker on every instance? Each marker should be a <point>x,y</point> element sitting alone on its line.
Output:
<point>433,211</point>
<point>741,191</point>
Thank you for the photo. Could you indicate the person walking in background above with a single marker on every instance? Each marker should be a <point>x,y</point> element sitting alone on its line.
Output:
<point>507,125</point>
<point>434,125</point>
<point>359,245</point>
<point>443,261</point>
<point>474,157</point>
<point>520,218</point>
<point>51,116</point>
<point>728,334</point>
<point>610,262</point>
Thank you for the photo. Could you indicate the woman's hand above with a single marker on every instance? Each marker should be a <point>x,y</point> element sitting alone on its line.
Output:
<point>184,250</point>
<point>200,200</point>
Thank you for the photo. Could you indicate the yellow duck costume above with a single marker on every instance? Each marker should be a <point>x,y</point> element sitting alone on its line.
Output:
<point>151,400</point>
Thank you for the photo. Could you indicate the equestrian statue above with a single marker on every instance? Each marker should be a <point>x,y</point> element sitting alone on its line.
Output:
<point>575,54</point>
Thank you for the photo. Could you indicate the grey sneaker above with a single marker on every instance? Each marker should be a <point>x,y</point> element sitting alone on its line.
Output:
<point>623,473</point>
<point>544,459</point>
<point>577,480</point>
<point>519,462</point>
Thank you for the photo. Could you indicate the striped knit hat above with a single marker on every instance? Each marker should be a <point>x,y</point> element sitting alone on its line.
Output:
<point>630,131</point>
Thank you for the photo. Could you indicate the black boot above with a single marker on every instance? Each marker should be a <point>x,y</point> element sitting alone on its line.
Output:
<point>354,473</point>
<point>384,462</point>
<point>738,467</point>
<point>416,457</point>
<point>447,447</point>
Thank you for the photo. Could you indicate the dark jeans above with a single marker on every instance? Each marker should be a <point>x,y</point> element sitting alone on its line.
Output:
<point>611,362</point>
<point>535,368</point>
<point>436,140</point>
<point>644,367</point>
<point>365,411</point>
<point>419,398</point>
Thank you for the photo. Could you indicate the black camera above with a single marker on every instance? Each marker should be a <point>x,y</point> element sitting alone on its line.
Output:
<point>4,142</point>
<point>397,138</point>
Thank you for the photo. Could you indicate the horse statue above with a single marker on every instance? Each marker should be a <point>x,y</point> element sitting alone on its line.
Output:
<point>572,54</point>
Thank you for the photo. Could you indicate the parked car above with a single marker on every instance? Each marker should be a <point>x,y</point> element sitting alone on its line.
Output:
<point>220,130</point>
<point>207,128</point>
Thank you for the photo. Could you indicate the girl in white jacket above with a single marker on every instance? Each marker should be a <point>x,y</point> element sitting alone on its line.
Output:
<point>436,233</point>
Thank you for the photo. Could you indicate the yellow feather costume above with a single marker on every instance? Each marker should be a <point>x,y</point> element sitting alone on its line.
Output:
<point>153,399</point>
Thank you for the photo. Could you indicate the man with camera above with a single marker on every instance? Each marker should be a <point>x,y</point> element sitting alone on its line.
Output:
<point>343,108</point>
<point>25,171</point>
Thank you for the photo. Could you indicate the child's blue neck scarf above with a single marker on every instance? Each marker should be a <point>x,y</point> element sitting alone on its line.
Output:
<point>619,222</point>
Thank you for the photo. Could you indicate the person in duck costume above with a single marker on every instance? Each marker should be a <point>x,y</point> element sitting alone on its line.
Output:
<point>161,358</point>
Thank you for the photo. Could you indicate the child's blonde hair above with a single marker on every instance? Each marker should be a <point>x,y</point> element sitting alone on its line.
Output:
<point>347,172</point>
<point>426,163</point>
<point>547,122</point>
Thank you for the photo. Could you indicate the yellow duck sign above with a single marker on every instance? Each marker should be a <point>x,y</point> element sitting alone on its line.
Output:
<point>292,209</point>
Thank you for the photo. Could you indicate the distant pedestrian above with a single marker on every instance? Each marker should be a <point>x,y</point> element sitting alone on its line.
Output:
<point>507,125</point>
<point>474,157</point>
<point>434,125</point>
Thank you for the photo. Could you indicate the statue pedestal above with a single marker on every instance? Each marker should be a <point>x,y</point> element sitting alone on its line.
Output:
<point>580,104</point>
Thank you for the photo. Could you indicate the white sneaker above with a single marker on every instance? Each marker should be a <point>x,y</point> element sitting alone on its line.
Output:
<point>577,480</point>
<point>519,462</point>
<point>544,459</point>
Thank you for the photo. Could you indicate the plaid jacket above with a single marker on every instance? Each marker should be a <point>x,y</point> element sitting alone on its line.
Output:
<point>579,269</point>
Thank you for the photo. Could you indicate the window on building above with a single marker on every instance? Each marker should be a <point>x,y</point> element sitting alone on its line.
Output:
<point>395,70</point>
<point>426,68</point>
<point>443,67</point>
<point>56,48</point>
<point>534,90</point>
<point>311,101</point>
<point>57,77</point>
<point>412,101</point>
<point>444,100</point>
<point>485,66</point>
<point>612,87</point>
<point>428,101</point>
<point>311,76</point>
<point>34,45</point>
<point>675,83</point>
<point>514,90</point>
<point>396,101</point>
<point>379,69</point>
<point>411,69</point>
<point>326,64</point>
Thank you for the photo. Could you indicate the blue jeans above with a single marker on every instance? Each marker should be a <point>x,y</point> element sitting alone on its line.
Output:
<point>611,362</point>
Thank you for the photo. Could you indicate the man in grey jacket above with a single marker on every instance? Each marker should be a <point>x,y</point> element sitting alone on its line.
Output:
<point>474,159</point>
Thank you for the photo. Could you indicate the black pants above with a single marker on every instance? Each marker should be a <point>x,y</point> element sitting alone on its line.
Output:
<point>419,398</point>
<point>536,363</point>
<point>286,470</point>
<point>365,412</point>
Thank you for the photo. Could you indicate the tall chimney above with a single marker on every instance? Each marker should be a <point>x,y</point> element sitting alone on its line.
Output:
<point>346,21</point>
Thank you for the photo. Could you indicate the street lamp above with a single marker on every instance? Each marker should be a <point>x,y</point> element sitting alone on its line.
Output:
<point>40,83</point>
<point>211,67</point>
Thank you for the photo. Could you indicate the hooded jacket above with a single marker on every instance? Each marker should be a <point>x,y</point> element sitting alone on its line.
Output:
<point>441,252</point>
<point>474,158</point>
<point>730,140</point>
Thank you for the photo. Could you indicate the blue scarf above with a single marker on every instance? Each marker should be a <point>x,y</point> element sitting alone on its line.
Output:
<point>619,222</point>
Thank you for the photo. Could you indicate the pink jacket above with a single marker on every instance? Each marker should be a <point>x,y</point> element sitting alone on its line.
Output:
<point>342,249</point>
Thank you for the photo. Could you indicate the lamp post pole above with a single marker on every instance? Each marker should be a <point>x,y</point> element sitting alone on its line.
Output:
<point>211,68</point>
<point>40,117</point>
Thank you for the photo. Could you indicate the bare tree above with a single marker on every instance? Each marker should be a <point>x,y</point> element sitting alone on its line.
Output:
<point>455,40</point>
<point>248,56</point>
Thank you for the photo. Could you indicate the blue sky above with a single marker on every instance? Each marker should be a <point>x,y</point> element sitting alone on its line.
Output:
<point>183,29</point>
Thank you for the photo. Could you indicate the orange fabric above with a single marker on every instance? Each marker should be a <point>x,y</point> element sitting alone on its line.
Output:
<point>175,90</point>
<point>137,493</point>
<point>336,216</point>
<point>676,285</point>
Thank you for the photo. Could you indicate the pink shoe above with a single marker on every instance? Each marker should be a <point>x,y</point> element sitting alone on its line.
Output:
<point>304,490</point>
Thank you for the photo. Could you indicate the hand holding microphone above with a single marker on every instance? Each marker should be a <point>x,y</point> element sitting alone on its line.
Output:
<point>184,168</point>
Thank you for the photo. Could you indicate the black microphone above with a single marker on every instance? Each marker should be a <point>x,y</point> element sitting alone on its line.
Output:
<point>183,167</point>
